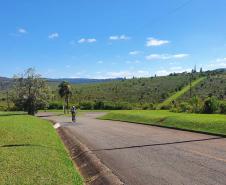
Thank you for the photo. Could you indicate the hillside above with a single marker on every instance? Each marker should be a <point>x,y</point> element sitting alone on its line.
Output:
<point>213,85</point>
<point>5,83</point>
<point>137,90</point>
<point>180,93</point>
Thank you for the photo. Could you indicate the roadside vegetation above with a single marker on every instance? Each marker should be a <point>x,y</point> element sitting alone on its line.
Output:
<point>32,153</point>
<point>209,123</point>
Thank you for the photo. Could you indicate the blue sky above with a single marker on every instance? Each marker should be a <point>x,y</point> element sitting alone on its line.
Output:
<point>111,38</point>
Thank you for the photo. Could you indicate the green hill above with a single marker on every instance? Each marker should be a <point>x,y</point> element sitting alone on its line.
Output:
<point>136,90</point>
<point>212,85</point>
<point>180,93</point>
<point>140,92</point>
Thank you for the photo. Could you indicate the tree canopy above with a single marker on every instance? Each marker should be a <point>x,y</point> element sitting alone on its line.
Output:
<point>30,92</point>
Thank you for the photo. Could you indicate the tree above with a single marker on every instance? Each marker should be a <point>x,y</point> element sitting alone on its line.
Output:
<point>30,92</point>
<point>65,92</point>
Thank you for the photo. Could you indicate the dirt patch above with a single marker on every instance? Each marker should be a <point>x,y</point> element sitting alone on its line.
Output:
<point>91,168</point>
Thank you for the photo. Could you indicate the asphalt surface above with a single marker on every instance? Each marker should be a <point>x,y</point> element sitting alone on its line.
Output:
<point>147,155</point>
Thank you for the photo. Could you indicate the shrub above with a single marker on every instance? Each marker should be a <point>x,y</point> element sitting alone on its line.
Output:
<point>148,106</point>
<point>223,107</point>
<point>166,107</point>
<point>174,109</point>
<point>185,107</point>
<point>123,106</point>
<point>210,105</point>
<point>86,105</point>
<point>98,105</point>
<point>109,106</point>
<point>55,105</point>
<point>197,104</point>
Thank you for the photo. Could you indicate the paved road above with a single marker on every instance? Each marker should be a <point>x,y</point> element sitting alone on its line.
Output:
<point>146,155</point>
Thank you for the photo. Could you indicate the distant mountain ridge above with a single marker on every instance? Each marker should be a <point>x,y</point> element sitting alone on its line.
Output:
<point>81,80</point>
<point>220,70</point>
<point>5,81</point>
<point>70,80</point>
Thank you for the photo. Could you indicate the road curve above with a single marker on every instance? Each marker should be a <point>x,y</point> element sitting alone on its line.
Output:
<point>147,155</point>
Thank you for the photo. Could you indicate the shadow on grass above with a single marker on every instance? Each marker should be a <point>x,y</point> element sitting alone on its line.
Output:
<point>18,145</point>
<point>13,114</point>
<point>29,145</point>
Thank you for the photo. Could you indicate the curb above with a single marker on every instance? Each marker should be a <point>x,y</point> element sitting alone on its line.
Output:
<point>91,168</point>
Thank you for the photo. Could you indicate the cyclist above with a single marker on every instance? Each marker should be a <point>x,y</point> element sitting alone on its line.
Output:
<point>73,114</point>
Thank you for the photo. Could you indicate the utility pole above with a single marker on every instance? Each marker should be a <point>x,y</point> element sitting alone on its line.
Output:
<point>7,99</point>
<point>190,84</point>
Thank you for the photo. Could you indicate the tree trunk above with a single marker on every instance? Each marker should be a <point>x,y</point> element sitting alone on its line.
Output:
<point>67,101</point>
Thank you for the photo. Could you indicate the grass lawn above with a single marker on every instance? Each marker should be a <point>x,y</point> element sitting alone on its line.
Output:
<point>32,153</point>
<point>180,93</point>
<point>209,123</point>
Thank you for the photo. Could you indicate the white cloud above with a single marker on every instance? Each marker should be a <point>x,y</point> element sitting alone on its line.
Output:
<point>119,37</point>
<point>166,56</point>
<point>19,32</point>
<point>133,62</point>
<point>84,40</point>
<point>91,40</point>
<point>22,30</point>
<point>122,74</point>
<point>155,42</point>
<point>175,69</point>
<point>218,63</point>
<point>53,35</point>
<point>134,52</point>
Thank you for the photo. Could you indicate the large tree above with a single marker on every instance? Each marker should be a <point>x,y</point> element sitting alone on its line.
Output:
<point>30,92</point>
<point>65,92</point>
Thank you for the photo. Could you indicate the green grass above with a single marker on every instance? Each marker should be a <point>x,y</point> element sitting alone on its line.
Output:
<point>32,153</point>
<point>180,93</point>
<point>209,123</point>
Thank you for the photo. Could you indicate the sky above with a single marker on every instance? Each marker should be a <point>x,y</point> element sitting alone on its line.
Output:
<point>111,38</point>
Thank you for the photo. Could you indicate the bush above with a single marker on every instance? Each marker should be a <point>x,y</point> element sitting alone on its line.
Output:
<point>55,105</point>
<point>174,109</point>
<point>98,105</point>
<point>118,106</point>
<point>109,106</point>
<point>185,107</point>
<point>148,106</point>
<point>166,107</point>
<point>223,107</point>
<point>210,105</point>
<point>123,106</point>
<point>197,105</point>
<point>86,105</point>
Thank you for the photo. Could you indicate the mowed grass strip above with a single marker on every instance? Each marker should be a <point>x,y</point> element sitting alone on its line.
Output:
<point>178,94</point>
<point>32,153</point>
<point>209,123</point>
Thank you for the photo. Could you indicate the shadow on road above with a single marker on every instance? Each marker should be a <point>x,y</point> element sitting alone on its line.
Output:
<point>158,144</point>
<point>50,115</point>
